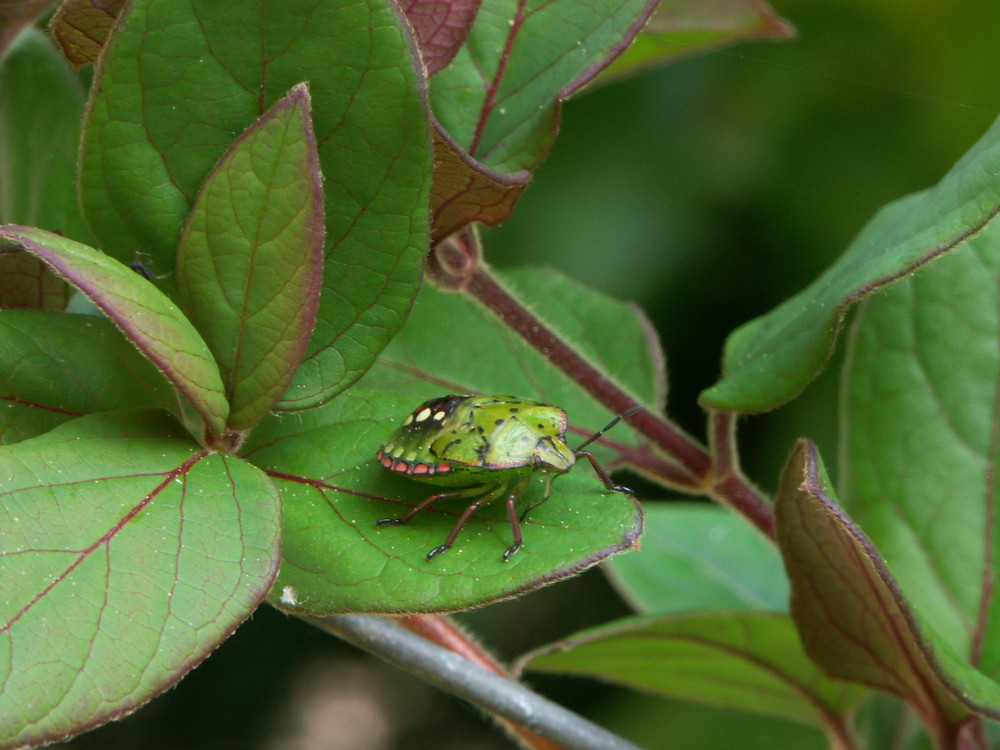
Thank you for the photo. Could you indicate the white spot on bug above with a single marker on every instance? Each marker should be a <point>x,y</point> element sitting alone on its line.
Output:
<point>411,456</point>
<point>289,596</point>
<point>438,416</point>
<point>388,448</point>
<point>422,416</point>
<point>408,421</point>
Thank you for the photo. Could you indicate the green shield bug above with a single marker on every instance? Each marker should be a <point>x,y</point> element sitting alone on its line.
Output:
<point>487,448</point>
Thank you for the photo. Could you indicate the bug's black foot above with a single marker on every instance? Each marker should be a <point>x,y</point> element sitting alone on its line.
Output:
<point>510,551</point>
<point>623,490</point>
<point>389,522</point>
<point>438,551</point>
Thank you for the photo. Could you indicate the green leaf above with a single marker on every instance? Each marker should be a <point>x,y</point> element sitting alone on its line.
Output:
<point>40,113</point>
<point>334,491</point>
<point>55,367</point>
<point>742,660</point>
<point>250,261</point>
<point>146,317</point>
<point>178,83</point>
<point>700,556</point>
<point>127,555</point>
<point>679,28</point>
<point>769,360</point>
<point>499,98</point>
<point>852,617</point>
<point>923,361</point>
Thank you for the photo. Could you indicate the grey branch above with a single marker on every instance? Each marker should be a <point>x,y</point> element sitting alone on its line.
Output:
<point>458,676</point>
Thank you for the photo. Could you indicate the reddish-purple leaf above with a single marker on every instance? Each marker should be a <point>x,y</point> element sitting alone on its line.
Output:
<point>852,618</point>
<point>441,27</point>
<point>82,26</point>
<point>465,190</point>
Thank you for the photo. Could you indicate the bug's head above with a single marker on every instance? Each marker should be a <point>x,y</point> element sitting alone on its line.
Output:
<point>553,455</point>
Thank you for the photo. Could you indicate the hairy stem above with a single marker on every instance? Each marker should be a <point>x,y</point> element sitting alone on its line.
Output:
<point>682,462</point>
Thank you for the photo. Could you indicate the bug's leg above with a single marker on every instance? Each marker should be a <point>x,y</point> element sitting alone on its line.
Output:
<point>512,499</point>
<point>454,495</point>
<point>487,498</point>
<point>545,496</point>
<point>608,484</point>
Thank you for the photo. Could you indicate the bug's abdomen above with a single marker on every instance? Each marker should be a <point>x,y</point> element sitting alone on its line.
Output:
<point>412,468</point>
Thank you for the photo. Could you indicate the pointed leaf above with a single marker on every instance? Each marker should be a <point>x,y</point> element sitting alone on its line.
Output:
<point>55,367</point>
<point>441,28</point>
<point>127,555</point>
<point>176,85</point>
<point>336,559</point>
<point>700,556</point>
<point>924,361</point>
<point>852,617</point>
<point>742,660</point>
<point>82,27</point>
<point>499,98</point>
<point>769,360</point>
<point>146,317</point>
<point>250,262</point>
<point>679,28</point>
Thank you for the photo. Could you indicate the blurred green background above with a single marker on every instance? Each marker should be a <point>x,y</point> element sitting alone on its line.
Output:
<point>707,191</point>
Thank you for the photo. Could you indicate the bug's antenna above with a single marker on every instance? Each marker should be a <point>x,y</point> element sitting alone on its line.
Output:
<point>607,427</point>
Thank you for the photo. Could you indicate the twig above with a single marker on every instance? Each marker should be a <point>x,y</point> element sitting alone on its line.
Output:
<point>470,682</point>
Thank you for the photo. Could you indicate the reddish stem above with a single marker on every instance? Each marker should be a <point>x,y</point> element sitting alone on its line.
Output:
<point>456,264</point>
<point>729,485</point>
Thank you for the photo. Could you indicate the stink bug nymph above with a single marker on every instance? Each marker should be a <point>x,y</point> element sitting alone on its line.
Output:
<point>487,448</point>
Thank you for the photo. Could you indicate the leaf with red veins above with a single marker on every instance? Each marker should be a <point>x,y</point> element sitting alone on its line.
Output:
<point>465,190</point>
<point>144,314</point>
<point>127,555</point>
<point>499,98</point>
<point>852,617</point>
<point>441,27</point>
<point>250,260</point>
<point>82,27</point>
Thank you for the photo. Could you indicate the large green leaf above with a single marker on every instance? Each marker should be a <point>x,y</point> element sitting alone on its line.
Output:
<point>920,454</point>
<point>55,367</point>
<point>499,98</point>
<point>854,620</point>
<point>127,555</point>
<point>698,556</point>
<point>769,360</point>
<point>250,261</point>
<point>335,559</point>
<point>178,83</point>
<point>144,314</point>
<point>741,660</point>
